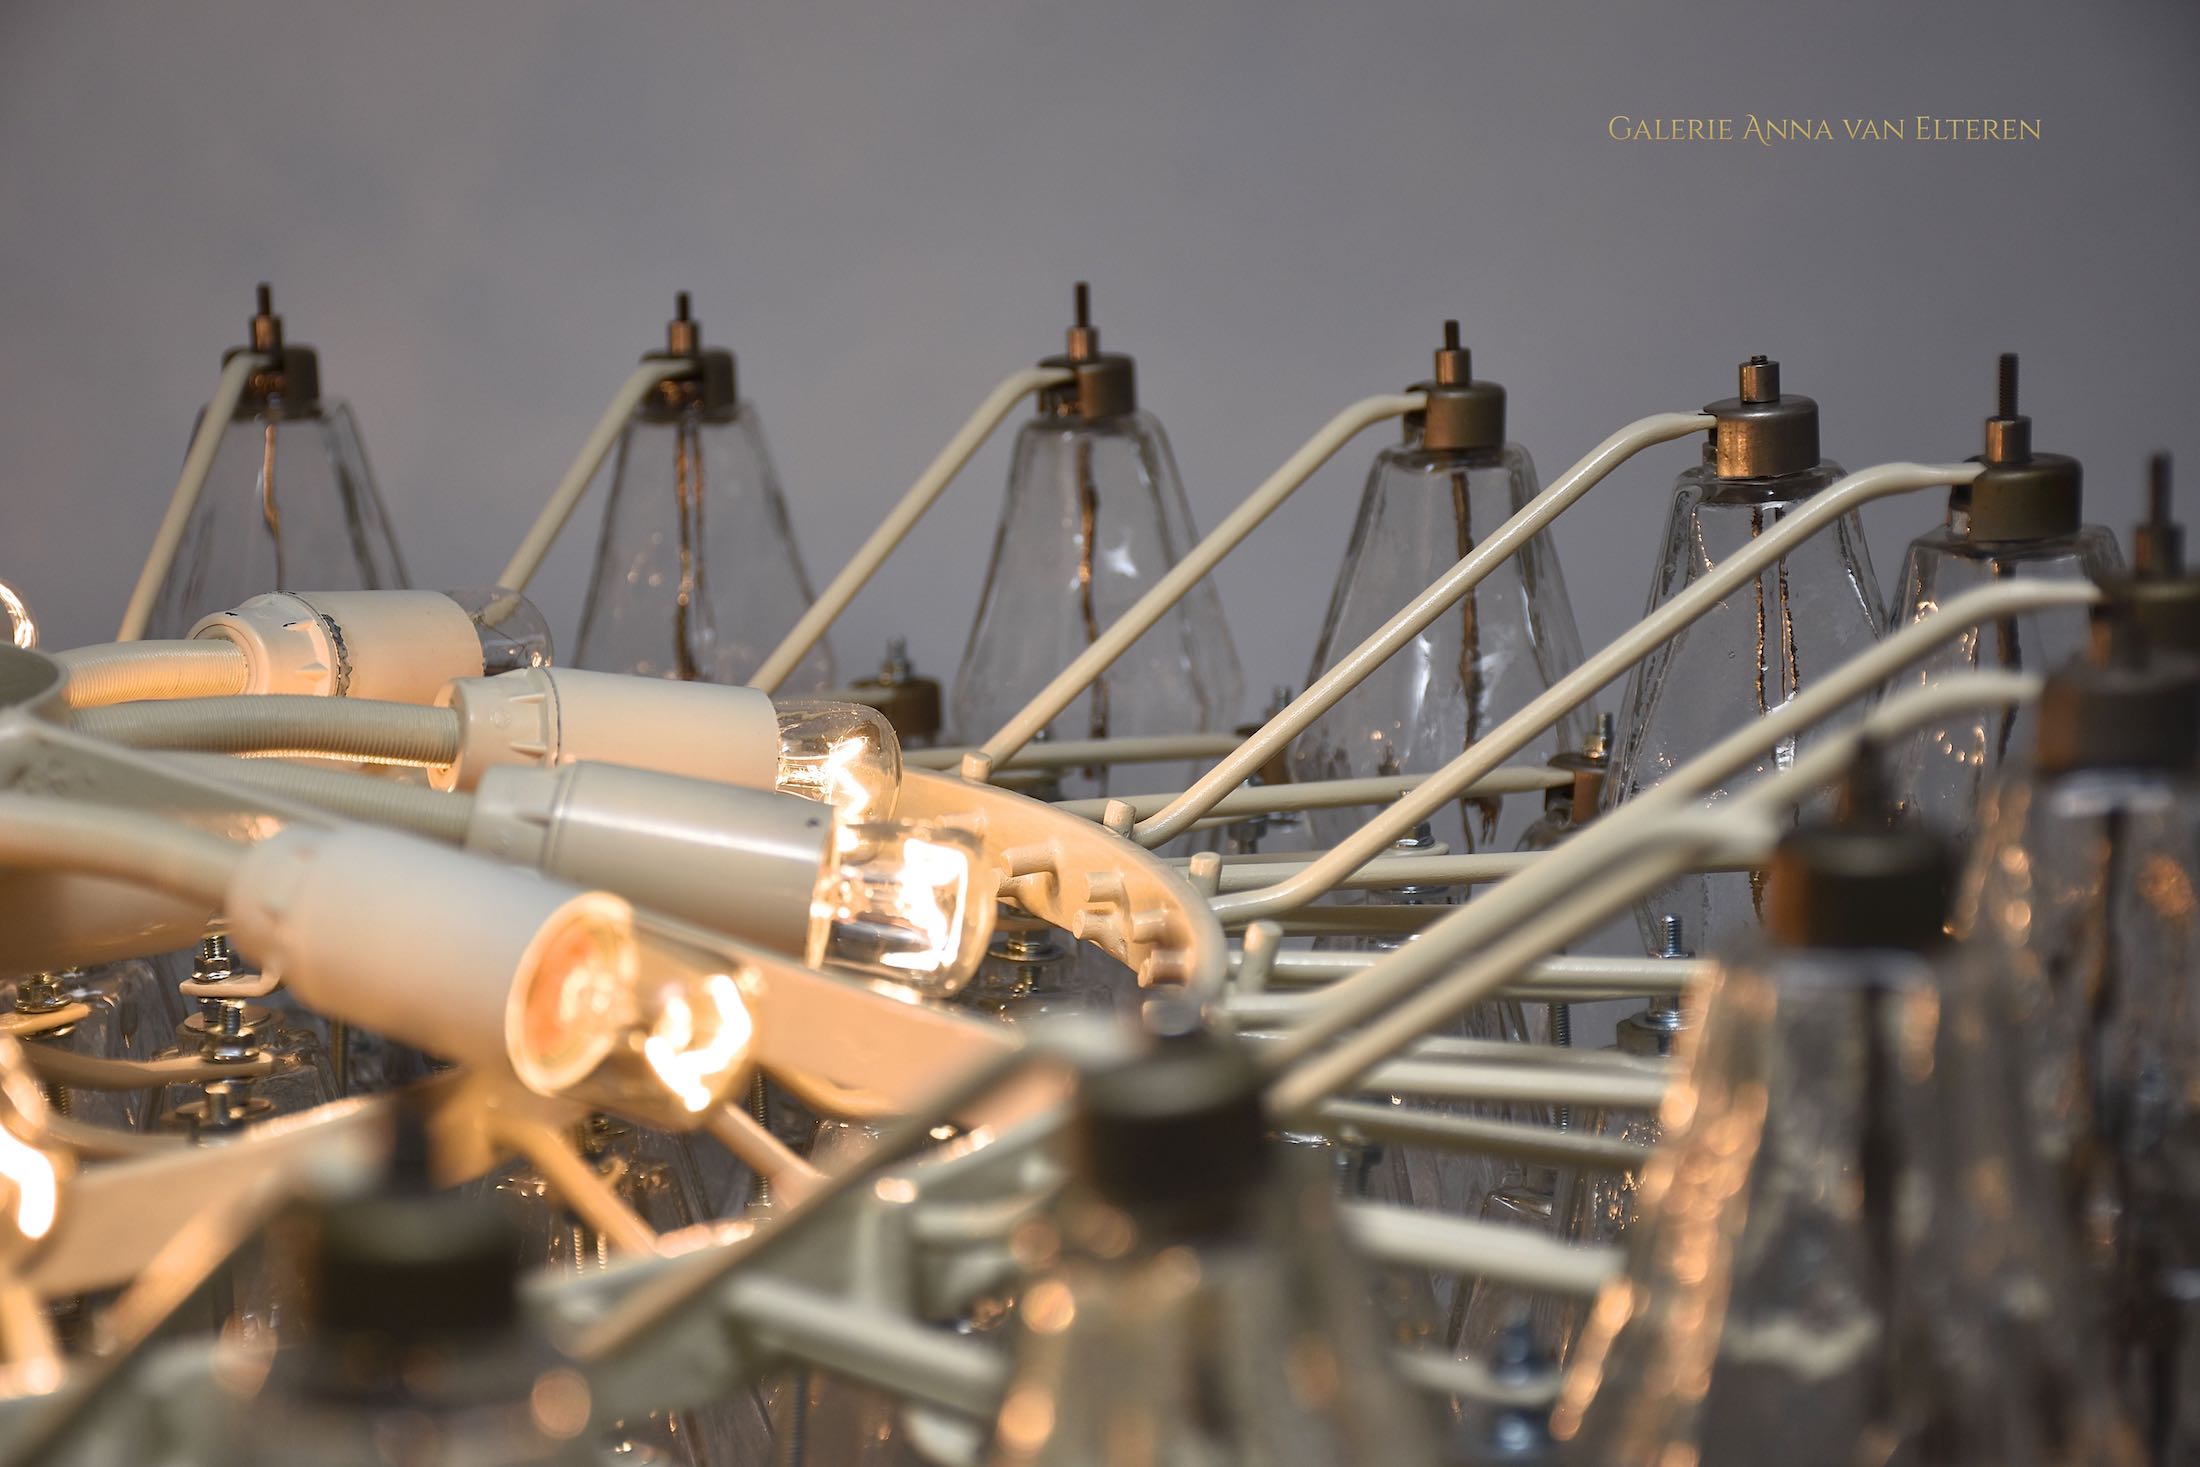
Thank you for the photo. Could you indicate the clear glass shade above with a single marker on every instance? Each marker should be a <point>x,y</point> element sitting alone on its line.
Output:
<point>1941,771</point>
<point>1846,1251</point>
<point>1801,617</point>
<point>1250,1343</point>
<point>1094,516</point>
<point>288,506</point>
<point>1471,668</point>
<point>2082,891</point>
<point>697,575</point>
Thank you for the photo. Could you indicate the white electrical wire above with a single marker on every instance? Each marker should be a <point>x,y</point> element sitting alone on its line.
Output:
<point>1569,692</point>
<point>1446,591</point>
<point>1126,629</point>
<point>44,834</point>
<point>197,464</point>
<point>129,672</point>
<point>872,554</point>
<point>283,725</point>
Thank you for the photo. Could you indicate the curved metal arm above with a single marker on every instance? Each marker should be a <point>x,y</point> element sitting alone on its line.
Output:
<point>1181,577</point>
<point>1391,979</point>
<point>1445,592</point>
<point>1569,692</point>
<point>564,499</point>
<point>865,562</point>
<point>1426,983</point>
<point>197,464</point>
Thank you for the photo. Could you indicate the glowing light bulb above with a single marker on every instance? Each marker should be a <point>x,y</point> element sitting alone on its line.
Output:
<point>914,903</point>
<point>840,754</point>
<point>30,1175</point>
<point>631,1019</point>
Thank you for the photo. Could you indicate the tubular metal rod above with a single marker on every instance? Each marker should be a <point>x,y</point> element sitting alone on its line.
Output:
<point>1424,983</point>
<point>1112,643</point>
<point>937,475</point>
<point>564,499</point>
<point>1445,592</point>
<point>1442,787</point>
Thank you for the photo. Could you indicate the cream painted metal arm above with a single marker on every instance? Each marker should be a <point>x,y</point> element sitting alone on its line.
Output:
<point>1446,591</point>
<point>190,484</point>
<point>1126,629</point>
<point>564,499</point>
<point>1569,692</point>
<point>872,554</point>
<point>1514,901</point>
<point>1435,984</point>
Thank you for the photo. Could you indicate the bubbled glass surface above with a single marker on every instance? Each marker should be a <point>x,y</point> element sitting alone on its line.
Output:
<point>2082,890</point>
<point>1944,765</point>
<point>1094,516</point>
<point>288,506</point>
<point>697,575</point>
<point>1466,672</point>
<point>652,1174</point>
<point>1249,1344</point>
<point>1844,1252</point>
<point>1764,643</point>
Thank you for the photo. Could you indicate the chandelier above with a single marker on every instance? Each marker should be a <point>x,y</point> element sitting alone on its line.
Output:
<point>1769,1035</point>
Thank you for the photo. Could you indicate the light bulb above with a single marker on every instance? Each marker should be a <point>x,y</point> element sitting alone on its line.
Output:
<point>30,1174</point>
<point>572,991</point>
<point>630,1019</point>
<point>909,902</point>
<point>841,754</point>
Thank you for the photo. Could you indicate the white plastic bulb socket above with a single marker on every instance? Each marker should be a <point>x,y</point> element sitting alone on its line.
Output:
<point>782,873</point>
<point>498,968</point>
<point>841,754</point>
<point>400,646</point>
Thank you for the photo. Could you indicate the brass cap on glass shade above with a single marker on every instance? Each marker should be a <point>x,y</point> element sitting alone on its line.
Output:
<point>1864,879</point>
<point>1180,1127</point>
<point>292,377</point>
<point>2020,494</point>
<point>711,386</point>
<point>2132,713</point>
<point>1462,414</point>
<point>1104,384</point>
<point>1763,432</point>
<point>2160,599</point>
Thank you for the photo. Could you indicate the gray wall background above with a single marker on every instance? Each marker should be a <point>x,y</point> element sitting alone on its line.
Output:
<point>479,212</point>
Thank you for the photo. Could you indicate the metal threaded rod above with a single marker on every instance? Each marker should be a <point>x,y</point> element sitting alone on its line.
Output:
<point>2005,395</point>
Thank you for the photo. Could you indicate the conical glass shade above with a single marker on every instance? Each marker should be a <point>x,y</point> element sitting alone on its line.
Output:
<point>1507,641</point>
<point>1803,616</point>
<point>1846,1251</point>
<point>2083,892</point>
<point>1942,769</point>
<point>1194,1304</point>
<point>1094,516</point>
<point>697,575</point>
<point>288,506</point>
<point>652,1174</point>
